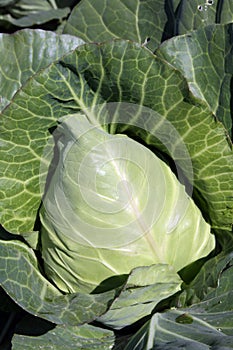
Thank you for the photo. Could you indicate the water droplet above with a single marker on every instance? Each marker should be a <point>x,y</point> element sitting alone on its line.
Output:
<point>200,8</point>
<point>209,2</point>
<point>184,319</point>
<point>219,329</point>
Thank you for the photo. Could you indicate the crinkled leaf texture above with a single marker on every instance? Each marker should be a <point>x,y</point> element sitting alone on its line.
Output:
<point>113,205</point>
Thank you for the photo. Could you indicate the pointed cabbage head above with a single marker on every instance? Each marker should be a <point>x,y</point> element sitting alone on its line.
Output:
<point>113,205</point>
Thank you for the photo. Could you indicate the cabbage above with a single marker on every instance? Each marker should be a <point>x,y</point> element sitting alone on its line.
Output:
<point>112,205</point>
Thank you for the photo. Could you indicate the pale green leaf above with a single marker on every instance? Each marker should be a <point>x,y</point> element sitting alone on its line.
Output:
<point>116,213</point>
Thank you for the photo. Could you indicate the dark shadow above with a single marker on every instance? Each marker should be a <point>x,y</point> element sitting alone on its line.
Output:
<point>170,26</point>
<point>51,170</point>
<point>110,283</point>
<point>219,11</point>
<point>8,322</point>
<point>50,173</point>
<point>7,236</point>
<point>30,325</point>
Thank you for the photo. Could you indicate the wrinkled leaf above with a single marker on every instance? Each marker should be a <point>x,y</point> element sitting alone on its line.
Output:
<point>205,58</point>
<point>134,20</point>
<point>25,53</point>
<point>21,278</point>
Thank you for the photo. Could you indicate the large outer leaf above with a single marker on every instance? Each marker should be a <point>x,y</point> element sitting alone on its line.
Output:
<point>117,212</point>
<point>97,21</point>
<point>64,338</point>
<point>26,52</point>
<point>20,277</point>
<point>116,71</point>
<point>206,323</point>
<point>205,58</point>
<point>206,281</point>
<point>168,331</point>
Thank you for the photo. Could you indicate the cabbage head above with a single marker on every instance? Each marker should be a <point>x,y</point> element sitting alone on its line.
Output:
<point>113,205</point>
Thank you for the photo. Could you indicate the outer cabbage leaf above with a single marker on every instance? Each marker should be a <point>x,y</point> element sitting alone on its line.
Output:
<point>61,337</point>
<point>205,59</point>
<point>21,278</point>
<point>133,20</point>
<point>110,200</point>
<point>206,324</point>
<point>25,53</point>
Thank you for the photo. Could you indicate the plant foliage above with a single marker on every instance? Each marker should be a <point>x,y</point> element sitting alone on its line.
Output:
<point>116,174</point>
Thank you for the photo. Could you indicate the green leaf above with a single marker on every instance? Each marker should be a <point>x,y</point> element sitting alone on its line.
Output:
<point>36,18</point>
<point>204,57</point>
<point>195,14</point>
<point>63,337</point>
<point>216,308</point>
<point>145,288</point>
<point>21,278</point>
<point>113,72</point>
<point>133,20</point>
<point>225,13</point>
<point>164,331</point>
<point>26,52</point>
<point>204,324</point>
<point>27,13</point>
<point>206,280</point>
